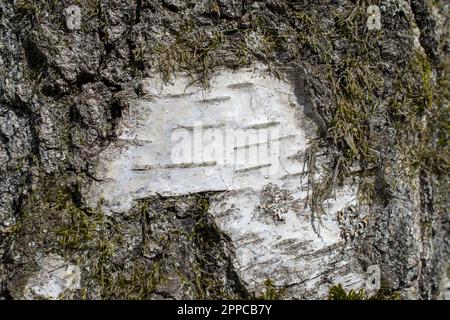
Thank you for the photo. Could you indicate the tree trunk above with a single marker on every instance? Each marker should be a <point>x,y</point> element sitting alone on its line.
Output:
<point>220,149</point>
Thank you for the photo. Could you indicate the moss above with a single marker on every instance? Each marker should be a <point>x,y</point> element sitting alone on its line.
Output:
<point>418,112</point>
<point>271,292</point>
<point>337,292</point>
<point>354,75</point>
<point>192,51</point>
<point>52,215</point>
<point>27,8</point>
<point>138,284</point>
<point>35,10</point>
<point>352,139</point>
<point>50,209</point>
<point>355,81</point>
<point>48,202</point>
<point>82,227</point>
<point>421,118</point>
<point>141,276</point>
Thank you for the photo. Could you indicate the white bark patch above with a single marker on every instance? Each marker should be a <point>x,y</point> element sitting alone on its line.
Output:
<point>243,115</point>
<point>55,277</point>
<point>261,203</point>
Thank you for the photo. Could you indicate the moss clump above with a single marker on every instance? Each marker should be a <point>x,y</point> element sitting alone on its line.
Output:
<point>82,227</point>
<point>191,50</point>
<point>337,292</point>
<point>35,11</point>
<point>355,81</point>
<point>51,212</point>
<point>51,221</point>
<point>422,117</point>
<point>138,284</point>
<point>175,243</point>
<point>413,108</point>
<point>271,292</point>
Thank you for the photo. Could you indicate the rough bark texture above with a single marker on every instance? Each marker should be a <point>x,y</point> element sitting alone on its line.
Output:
<point>377,100</point>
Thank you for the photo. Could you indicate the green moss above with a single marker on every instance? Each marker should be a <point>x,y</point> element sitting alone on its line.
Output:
<point>138,284</point>
<point>141,276</point>
<point>350,142</point>
<point>355,81</point>
<point>33,10</point>
<point>27,8</point>
<point>82,227</point>
<point>337,292</point>
<point>191,51</point>
<point>52,216</point>
<point>271,292</point>
<point>421,118</point>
